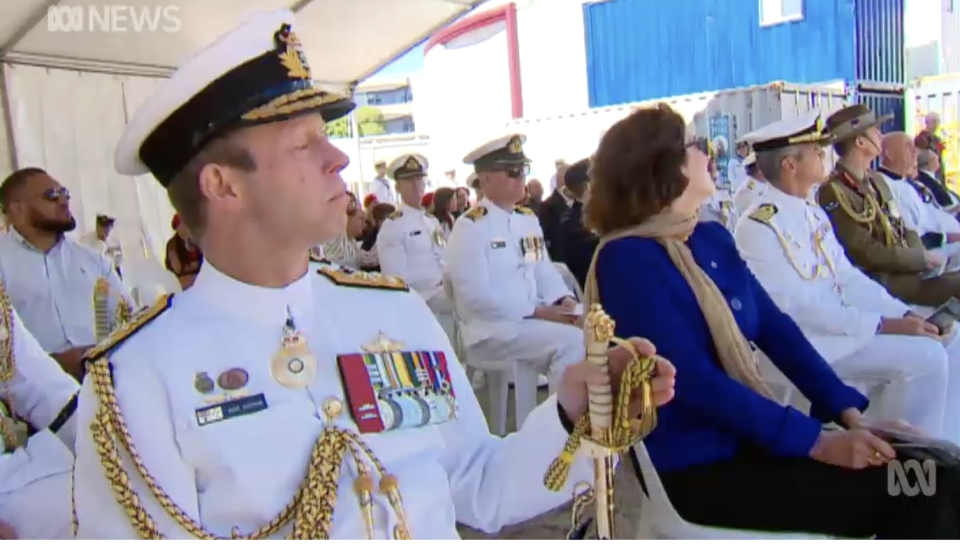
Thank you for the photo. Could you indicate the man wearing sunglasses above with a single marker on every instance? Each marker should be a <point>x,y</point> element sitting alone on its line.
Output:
<point>513,302</point>
<point>51,278</point>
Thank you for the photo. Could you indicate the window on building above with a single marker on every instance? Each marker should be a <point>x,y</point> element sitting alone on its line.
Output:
<point>373,98</point>
<point>774,12</point>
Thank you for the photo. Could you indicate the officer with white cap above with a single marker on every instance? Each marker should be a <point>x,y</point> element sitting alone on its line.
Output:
<point>411,243</point>
<point>869,337</point>
<point>37,433</point>
<point>749,192</point>
<point>513,302</point>
<point>278,397</point>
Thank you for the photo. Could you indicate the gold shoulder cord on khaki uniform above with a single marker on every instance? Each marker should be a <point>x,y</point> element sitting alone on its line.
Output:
<point>311,508</point>
<point>871,209</point>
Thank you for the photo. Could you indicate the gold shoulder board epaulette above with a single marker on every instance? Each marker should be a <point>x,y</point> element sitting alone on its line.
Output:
<point>523,210</point>
<point>764,213</point>
<point>137,322</point>
<point>358,278</point>
<point>395,215</point>
<point>476,213</point>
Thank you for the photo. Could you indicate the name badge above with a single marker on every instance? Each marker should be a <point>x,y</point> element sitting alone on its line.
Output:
<point>416,233</point>
<point>231,409</point>
<point>498,244</point>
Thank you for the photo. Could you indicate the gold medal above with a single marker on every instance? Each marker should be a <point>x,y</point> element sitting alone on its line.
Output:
<point>293,365</point>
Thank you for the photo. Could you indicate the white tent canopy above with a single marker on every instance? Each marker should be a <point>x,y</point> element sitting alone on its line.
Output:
<point>345,40</point>
<point>65,96</point>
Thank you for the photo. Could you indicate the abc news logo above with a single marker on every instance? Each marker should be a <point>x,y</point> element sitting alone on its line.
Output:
<point>899,481</point>
<point>113,18</point>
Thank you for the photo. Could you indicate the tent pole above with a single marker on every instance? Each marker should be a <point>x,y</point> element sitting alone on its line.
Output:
<point>8,119</point>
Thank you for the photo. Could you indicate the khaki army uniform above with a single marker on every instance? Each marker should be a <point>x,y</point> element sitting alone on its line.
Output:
<point>868,224</point>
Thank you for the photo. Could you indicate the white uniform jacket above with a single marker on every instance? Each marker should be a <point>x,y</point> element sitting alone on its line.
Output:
<point>238,473</point>
<point>790,246</point>
<point>498,264</point>
<point>42,394</point>
<point>411,245</point>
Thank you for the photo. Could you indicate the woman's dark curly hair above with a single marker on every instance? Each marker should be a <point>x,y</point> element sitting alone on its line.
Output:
<point>635,172</point>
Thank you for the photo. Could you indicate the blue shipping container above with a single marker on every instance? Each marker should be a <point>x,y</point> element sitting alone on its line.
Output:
<point>645,49</point>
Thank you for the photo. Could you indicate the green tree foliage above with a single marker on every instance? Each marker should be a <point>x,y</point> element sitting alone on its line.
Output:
<point>369,120</point>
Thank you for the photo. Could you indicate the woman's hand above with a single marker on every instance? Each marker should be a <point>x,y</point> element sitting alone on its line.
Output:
<point>856,449</point>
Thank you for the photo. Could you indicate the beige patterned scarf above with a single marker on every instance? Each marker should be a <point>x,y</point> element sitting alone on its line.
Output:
<point>672,231</point>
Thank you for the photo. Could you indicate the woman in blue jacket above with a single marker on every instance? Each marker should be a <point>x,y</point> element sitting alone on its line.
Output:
<point>728,453</point>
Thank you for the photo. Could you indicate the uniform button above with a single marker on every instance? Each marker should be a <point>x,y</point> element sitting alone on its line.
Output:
<point>713,264</point>
<point>736,304</point>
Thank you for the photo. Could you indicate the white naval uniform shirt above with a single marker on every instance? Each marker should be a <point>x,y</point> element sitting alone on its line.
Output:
<point>53,291</point>
<point>496,282</point>
<point>383,189</point>
<point>736,173</point>
<point>410,245</point>
<point>241,472</point>
<point>720,208</point>
<point>839,309</point>
<point>748,194</point>
<point>38,392</point>
<point>918,215</point>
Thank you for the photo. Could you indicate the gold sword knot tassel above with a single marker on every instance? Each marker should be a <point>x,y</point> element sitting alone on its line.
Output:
<point>609,428</point>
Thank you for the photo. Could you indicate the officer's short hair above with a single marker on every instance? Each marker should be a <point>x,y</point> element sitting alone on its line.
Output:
<point>925,157</point>
<point>14,183</point>
<point>184,189</point>
<point>771,161</point>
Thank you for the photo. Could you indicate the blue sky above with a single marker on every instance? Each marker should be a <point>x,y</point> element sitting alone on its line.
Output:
<point>411,62</point>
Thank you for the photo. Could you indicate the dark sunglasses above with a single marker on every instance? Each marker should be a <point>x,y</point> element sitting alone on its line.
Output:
<point>699,144</point>
<point>52,195</point>
<point>516,171</point>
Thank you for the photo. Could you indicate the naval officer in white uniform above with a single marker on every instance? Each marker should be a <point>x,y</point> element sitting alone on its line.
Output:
<point>35,474</point>
<point>514,304</point>
<point>277,398</point>
<point>868,336</point>
<point>752,189</point>
<point>411,243</point>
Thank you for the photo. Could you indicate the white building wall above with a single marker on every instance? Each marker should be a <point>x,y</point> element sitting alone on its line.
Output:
<point>553,57</point>
<point>465,96</point>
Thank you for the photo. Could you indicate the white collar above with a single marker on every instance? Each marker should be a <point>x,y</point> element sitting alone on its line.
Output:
<point>268,305</point>
<point>493,208</point>
<point>406,208</point>
<point>15,234</point>
<point>929,173</point>
<point>786,201</point>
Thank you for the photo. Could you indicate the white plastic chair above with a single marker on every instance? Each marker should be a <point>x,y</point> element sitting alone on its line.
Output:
<point>498,376</point>
<point>659,520</point>
<point>569,279</point>
<point>146,280</point>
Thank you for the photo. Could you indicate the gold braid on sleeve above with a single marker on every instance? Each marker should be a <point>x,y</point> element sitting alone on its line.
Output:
<point>310,510</point>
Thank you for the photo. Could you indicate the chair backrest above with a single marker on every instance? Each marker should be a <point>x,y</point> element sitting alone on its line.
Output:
<point>569,279</point>
<point>657,501</point>
<point>458,346</point>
